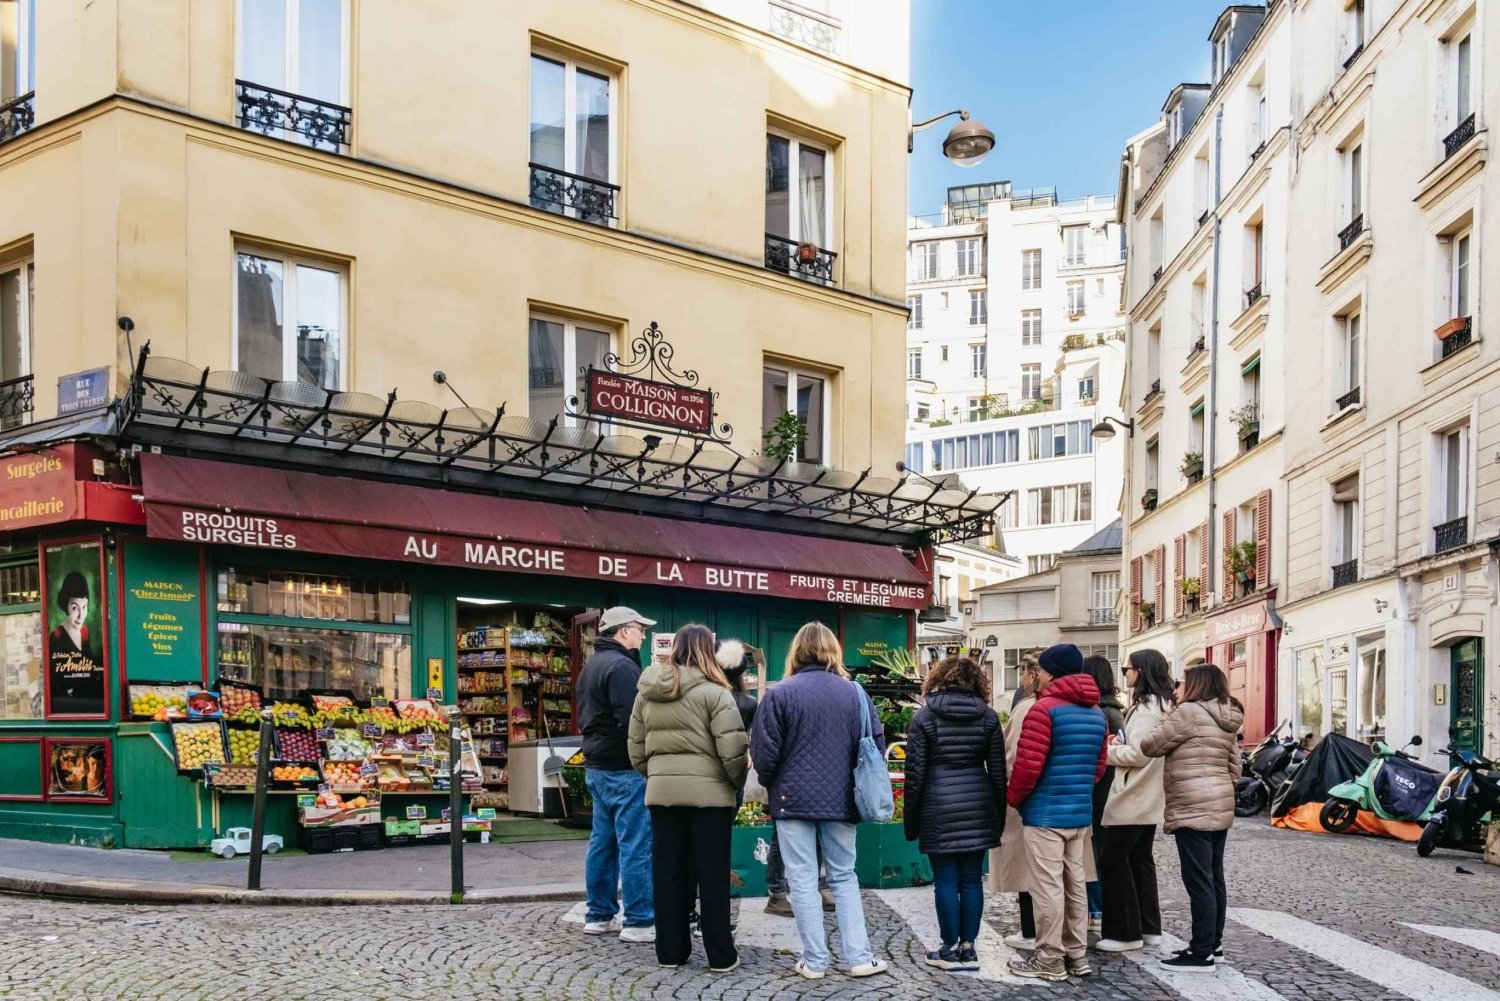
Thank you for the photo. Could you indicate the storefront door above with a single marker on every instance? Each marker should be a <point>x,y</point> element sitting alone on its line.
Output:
<point>1465,716</point>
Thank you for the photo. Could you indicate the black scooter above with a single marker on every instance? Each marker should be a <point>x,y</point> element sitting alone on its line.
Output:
<point>1271,763</point>
<point>1463,806</point>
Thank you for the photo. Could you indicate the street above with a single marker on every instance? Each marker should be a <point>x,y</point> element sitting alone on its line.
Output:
<point>1312,917</point>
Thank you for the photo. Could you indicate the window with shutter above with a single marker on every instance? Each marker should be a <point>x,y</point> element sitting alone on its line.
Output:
<point>1035,604</point>
<point>1263,540</point>
<point>1161,583</point>
<point>1135,595</point>
<point>1226,543</point>
<point>1179,562</point>
<point>1205,562</point>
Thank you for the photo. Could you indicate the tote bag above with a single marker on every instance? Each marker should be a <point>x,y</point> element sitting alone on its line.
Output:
<point>872,779</point>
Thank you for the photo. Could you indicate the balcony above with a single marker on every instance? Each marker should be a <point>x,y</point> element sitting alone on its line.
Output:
<point>17,116</point>
<point>950,273</point>
<point>1351,232</point>
<point>1358,51</point>
<point>1199,346</point>
<point>1257,151</point>
<point>807,261</point>
<point>1156,275</point>
<point>1345,573</point>
<point>289,116</point>
<point>1103,617</point>
<point>17,401</point>
<point>1455,140</point>
<point>808,28</point>
<point>1204,217</point>
<point>1450,535</point>
<point>1461,337</point>
<point>581,198</point>
<point>1252,295</point>
<point>1349,399</point>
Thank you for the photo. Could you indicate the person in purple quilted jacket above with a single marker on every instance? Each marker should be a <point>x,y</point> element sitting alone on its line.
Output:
<point>804,744</point>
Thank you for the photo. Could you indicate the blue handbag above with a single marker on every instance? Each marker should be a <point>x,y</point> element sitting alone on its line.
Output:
<point>872,779</point>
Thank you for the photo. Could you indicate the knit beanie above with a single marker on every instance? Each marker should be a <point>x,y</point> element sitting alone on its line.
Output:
<point>1061,660</point>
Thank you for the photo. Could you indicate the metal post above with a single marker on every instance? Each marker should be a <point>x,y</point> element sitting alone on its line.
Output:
<point>258,814</point>
<point>455,805</point>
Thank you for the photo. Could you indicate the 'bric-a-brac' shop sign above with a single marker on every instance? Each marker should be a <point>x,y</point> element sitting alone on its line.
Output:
<point>649,402</point>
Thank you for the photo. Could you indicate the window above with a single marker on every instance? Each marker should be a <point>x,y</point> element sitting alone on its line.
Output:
<point>1153,358</point>
<point>1060,505</point>
<point>968,257</point>
<point>1104,590</point>
<point>1075,246</point>
<point>16,306</point>
<point>914,307</point>
<point>1050,441</point>
<point>1031,327</point>
<point>914,363</point>
<point>979,313</point>
<point>943,352</point>
<point>20,642</point>
<point>1040,564</point>
<point>977,360</point>
<point>1345,539</point>
<point>1003,606</point>
<point>969,451</point>
<point>1351,332</point>
<point>806,394</point>
<point>572,140</point>
<point>1357,28</point>
<point>1259,128</point>
<point>1463,80</point>
<point>1031,381</point>
<point>1458,274</point>
<point>979,408</point>
<point>1158,241</point>
<point>17,49</point>
<point>1086,389</point>
<point>1370,709</point>
<point>1031,269</point>
<point>297,46</point>
<point>1195,428</point>
<point>558,350</point>
<point>289,319</point>
<point>1221,56</point>
<point>1256,238</point>
<point>798,208</point>
<point>1355,160</point>
<point>924,261</point>
<point>1153,464</point>
<point>924,412</point>
<point>1075,298</point>
<point>1454,472</point>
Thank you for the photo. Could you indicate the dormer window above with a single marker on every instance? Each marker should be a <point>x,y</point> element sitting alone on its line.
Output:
<point>1221,57</point>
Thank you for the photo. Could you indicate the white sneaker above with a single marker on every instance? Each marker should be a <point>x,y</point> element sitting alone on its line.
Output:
<point>869,969</point>
<point>725,969</point>
<point>1151,939</point>
<point>1020,942</point>
<point>1095,924</point>
<point>808,972</point>
<point>1115,945</point>
<point>601,927</point>
<point>640,936</point>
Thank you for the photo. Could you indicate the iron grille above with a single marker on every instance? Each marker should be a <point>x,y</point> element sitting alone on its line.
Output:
<point>804,260</point>
<point>17,401</point>
<point>1351,232</point>
<point>1345,573</point>
<point>1252,295</point>
<point>573,195</point>
<point>1451,534</point>
<point>275,112</point>
<point>1348,400</point>
<point>1459,339</point>
<point>1358,51</point>
<point>1156,275</point>
<point>1103,617</point>
<point>17,116</point>
<point>1455,140</point>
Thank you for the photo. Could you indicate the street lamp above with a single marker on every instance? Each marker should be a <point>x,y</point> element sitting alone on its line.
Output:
<point>968,142</point>
<point>1104,432</point>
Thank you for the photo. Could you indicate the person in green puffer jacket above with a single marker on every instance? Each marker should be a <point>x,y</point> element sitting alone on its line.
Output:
<point>687,739</point>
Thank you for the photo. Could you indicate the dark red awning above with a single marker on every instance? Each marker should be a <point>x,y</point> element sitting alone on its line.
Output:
<point>195,500</point>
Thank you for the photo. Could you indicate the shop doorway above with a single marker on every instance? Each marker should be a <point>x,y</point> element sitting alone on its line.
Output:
<point>1465,715</point>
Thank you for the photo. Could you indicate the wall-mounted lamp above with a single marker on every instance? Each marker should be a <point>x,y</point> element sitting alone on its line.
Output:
<point>1104,432</point>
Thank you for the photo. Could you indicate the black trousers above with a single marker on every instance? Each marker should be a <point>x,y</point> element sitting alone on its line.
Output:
<point>1202,857</point>
<point>1028,916</point>
<point>690,861</point>
<point>1127,876</point>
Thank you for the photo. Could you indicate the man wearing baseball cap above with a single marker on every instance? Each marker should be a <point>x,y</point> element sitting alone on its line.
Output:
<point>619,858</point>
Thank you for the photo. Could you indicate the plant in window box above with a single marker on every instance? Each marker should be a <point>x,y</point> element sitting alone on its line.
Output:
<point>1192,466</point>
<point>1147,612</point>
<point>1242,562</point>
<point>1453,326</point>
<point>807,252</point>
<point>1148,499</point>
<point>1075,342</point>
<point>1192,589</point>
<point>940,422</point>
<point>784,439</point>
<point>1246,420</point>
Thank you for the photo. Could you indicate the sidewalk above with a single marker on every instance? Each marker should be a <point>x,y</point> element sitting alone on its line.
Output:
<point>493,873</point>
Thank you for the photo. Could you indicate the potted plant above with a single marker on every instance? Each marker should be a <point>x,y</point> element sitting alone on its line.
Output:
<point>1453,326</point>
<point>1246,420</point>
<point>785,438</point>
<point>1191,589</point>
<point>1192,466</point>
<point>1147,612</point>
<point>1148,499</point>
<point>807,252</point>
<point>1242,562</point>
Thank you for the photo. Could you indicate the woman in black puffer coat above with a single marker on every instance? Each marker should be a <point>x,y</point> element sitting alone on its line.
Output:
<point>955,799</point>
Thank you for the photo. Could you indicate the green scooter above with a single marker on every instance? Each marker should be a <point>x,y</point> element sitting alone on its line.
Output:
<point>1393,786</point>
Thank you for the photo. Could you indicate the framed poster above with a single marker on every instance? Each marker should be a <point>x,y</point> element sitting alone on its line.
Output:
<point>78,770</point>
<point>75,650</point>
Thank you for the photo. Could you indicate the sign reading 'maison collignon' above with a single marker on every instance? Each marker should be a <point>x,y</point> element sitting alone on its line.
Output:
<point>649,402</point>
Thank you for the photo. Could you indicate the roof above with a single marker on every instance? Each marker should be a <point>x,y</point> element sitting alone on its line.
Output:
<point>1108,539</point>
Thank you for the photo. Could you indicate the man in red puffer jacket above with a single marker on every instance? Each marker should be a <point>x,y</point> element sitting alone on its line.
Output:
<point>1060,756</point>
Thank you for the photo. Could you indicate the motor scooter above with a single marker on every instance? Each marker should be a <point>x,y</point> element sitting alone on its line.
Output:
<point>1393,786</point>
<point>1265,768</point>
<point>1465,801</point>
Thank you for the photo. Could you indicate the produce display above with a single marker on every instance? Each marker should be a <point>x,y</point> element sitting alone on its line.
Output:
<point>197,744</point>
<point>296,744</point>
<point>202,704</point>
<point>158,702</point>
<point>348,745</point>
<point>288,709</point>
<point>243,745</point>
<point>421,710</point>
<point>333,801</point>
<point>237,698</point>
<point>380,714</point>
<point>344,775</point>
<point>231,776</point>
<point>294,773</point>
<point>332,703</point>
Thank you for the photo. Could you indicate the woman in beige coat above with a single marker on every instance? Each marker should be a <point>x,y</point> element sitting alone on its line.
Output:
<point>1008,862</point>
<point>1137,801</point>
<point>1203,763</point>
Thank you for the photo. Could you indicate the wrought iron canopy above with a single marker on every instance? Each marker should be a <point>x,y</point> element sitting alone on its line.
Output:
<point>225,413</point>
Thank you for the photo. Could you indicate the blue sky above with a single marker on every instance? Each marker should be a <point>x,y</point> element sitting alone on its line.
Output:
<point>1062,84</point>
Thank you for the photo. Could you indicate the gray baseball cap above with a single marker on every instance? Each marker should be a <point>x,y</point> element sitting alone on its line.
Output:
<point>614,618</point>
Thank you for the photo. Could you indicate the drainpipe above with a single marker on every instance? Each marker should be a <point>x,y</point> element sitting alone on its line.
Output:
<point>1211,420</point>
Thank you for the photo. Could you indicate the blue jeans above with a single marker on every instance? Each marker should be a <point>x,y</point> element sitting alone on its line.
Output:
<point>958,891</point>
<point>799,841</point>
<point>619,849</point>
<point>1095,894</point>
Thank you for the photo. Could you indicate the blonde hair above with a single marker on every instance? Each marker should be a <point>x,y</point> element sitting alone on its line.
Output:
<point>815,644</point>
<point>694,645</point>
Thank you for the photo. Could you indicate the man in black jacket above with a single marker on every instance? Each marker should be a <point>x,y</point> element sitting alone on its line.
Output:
<point>619,857</point>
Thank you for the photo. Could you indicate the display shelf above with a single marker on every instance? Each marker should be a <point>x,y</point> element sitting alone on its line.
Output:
<point>482,649</point>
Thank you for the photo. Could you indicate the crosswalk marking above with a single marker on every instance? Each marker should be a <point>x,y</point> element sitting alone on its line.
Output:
<point>1474,938</point>
<point>1390,970</point>
<point>915,908</point>
<point>1224,984</point>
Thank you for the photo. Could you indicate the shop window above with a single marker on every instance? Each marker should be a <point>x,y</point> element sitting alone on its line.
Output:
<point>1372,691</point>
<point>558,352</point>
<point>788,390</point>
<point>290,319</point>
<point>20,643</point>
<point>1310,701</point>
<point>292,595</point>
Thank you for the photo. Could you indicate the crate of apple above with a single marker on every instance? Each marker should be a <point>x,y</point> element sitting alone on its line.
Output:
<point>236,698</point>
<point>296,744</point>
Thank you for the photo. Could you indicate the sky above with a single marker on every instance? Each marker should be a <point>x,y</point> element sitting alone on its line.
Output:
<point>1061,83</point>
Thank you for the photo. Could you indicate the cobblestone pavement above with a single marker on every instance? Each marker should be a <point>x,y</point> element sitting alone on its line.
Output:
<point>1316,918</point>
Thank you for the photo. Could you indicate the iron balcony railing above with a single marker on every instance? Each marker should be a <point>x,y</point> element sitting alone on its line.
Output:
<point>1351,232</point>
<point>1455,140</point>
<point>1103,617</point>
<point>1199,346</point>
<point>1451,534</point>
<point>807,261</point>
<point>1459,339</point>
<point>804,29</point>
<point>573,195</point>
<point>1204,217</point>
<point>17,116</point>
<point>1156,275</point>
<point>17,401</point>
<point>1257,151</point>
<point>279,113</point>
<point>949,273</point>
<point>1253,294</point>
<point>1358,51</point>
<point>1348,400</point>
<point>1152,392</point>
<point>1345,573</point>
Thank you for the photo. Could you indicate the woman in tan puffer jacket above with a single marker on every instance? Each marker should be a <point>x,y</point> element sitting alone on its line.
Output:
<point>1203,763</point>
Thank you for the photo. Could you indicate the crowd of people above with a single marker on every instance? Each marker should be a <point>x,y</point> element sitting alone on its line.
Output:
<point>1061,795</point>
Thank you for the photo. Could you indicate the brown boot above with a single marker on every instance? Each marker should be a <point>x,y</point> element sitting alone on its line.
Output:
<point>778,904</point>
<point>828,905</point>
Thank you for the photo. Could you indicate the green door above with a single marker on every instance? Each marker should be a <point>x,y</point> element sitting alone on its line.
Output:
<point>1465,716</point>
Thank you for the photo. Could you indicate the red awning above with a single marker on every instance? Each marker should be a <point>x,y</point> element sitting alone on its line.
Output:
<point>194,500</point>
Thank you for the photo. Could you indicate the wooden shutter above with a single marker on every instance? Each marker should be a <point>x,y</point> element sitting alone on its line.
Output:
<point>1205,566</point>
<point>1135,595</point>
<point>1226,543</point>
<point>1160,600</point>
<point>1263,540</point>
<point>1179,563</point>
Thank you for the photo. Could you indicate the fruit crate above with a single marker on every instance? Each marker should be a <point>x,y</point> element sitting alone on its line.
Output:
<point>302,785</point>
<point>235,696</point>
<point>296,744</point>
<point>208,732</point>
<point>164,690</point>
<point>244,736</point>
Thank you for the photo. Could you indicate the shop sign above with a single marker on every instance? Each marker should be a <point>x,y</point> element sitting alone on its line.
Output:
<point>426,739</point>
<point>73,616</point>
<point>869,636</point>
<point>163,610</point>
<point>37,488</point>
<point>82,391</point>
<point>1239,623</point>
<point>647,401</point>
